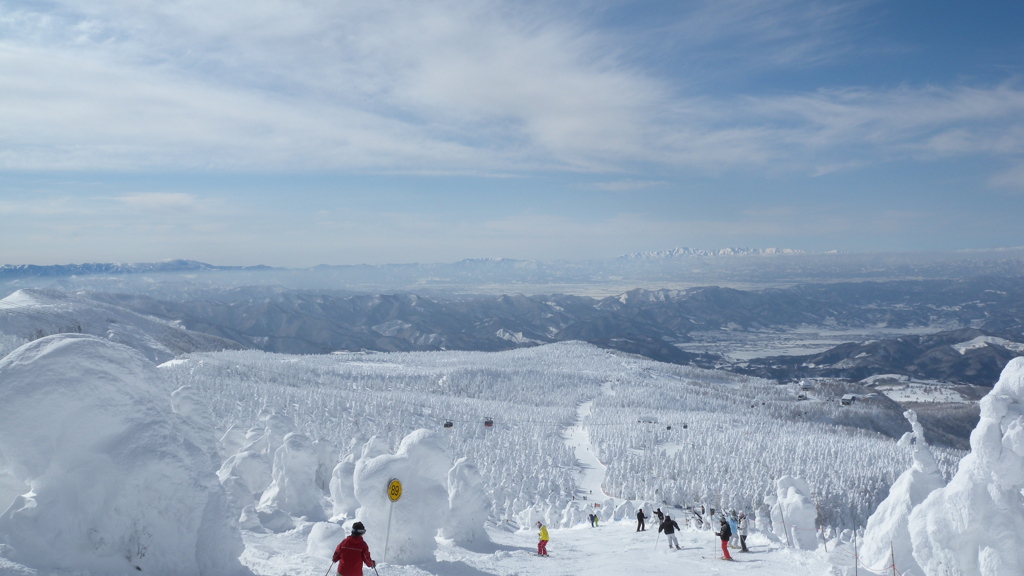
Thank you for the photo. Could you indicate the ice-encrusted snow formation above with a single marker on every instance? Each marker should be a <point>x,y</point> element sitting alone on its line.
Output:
<point>403,532</point>
<point>469,506</point>
<point>793,513</point>
<point>343,492</point>
<point>887,535</point>
<point>975,525</point>
<point>115,482</point>
<point>294,488</point>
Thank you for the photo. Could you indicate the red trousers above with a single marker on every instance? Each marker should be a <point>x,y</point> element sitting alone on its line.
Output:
<point>542,547</point>
<point>725,550</point>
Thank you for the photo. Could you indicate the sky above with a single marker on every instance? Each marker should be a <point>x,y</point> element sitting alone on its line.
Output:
<point>302,132</point>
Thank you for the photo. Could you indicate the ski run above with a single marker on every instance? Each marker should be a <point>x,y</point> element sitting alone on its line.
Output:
<point>250,463</point>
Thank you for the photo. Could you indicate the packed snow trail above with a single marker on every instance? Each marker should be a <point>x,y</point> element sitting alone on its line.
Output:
<point>612,549</point>
<point>592,470</point>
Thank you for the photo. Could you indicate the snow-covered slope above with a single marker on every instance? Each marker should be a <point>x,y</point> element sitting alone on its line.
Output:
<point>720,438</point>
<point>113,482</point>
<point>553,432</point>
<point>28,314</point>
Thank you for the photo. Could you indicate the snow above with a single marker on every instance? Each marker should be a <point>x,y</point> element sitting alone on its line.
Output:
<point>469,506</point>
<point>611,548</point>
<point>903,389</point>
<point>404,529</point>
<point>975,525</point>
<point>294,489</point>
<point>113,482</point>
<point>591,475</point>
<point>20,298</point>
<point>308,445</point>
<point>887,534</point>
<point>982,341</point>
<point>793,513</point>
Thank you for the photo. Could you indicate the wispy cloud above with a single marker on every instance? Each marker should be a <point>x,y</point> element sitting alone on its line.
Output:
<point>452,87</point>
<point>1013,178</point>
<point>627,185</point>
<point>160,201</point>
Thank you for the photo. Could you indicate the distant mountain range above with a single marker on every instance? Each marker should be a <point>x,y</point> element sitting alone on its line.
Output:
<point>679,267</point>
<point>988,312</point>
<point>967,356</point>
<point>695,252</point>
<point>12,271</point>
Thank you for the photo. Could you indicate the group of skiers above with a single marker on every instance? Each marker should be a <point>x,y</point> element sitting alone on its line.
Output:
<point>733,527</point>
<point>665,524</point>
<point>352,553</point>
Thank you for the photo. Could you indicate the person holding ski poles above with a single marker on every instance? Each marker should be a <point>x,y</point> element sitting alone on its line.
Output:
<point>724,533</point>
<point>542,544</point>
<point>732,528</point>
<point>669,527</point>
<point>741,529</point>
<point>640,520</point>
<point>353,552</point>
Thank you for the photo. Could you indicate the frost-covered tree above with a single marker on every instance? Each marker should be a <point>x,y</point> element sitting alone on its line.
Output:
<point>114,482</point>
<point>294,489</point>
<point>887,535</point>
<point>404,530</point>
<point>469,506</point>
<point>975,525</point>
<point>793,513</point>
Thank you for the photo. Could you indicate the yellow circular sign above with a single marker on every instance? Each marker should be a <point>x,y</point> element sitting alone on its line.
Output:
<point>394,490</point>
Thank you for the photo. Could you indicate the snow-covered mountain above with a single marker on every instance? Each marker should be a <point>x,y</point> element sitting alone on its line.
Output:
<point>546,432</point>
<point>691,326</point>
<point>679,267</point>
<point>32,314</point>
<point>12,271</point>
<point>962,356</point>
<point>691,252</point>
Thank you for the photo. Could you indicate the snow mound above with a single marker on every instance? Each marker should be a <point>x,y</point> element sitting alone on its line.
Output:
<point>975,525</point>
<point>469,506</point>
<point>403,532</point>
<point>793,513</point>
<point>343,492</point>
<point>294,489</point>
<point>115,485</point>
<point>887,535</point>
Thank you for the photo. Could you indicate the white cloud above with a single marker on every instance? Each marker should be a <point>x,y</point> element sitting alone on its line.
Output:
<point>160,201</point>
<point>477,86</point>
<point>628,185</point>
<point>1012,178</point>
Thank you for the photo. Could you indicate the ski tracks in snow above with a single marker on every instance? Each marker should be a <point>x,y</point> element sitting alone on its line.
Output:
<point>590,477</point>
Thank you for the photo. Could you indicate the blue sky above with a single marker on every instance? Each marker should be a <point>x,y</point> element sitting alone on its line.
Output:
<point>295,133</point>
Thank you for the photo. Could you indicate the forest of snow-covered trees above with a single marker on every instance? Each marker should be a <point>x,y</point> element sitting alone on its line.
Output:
<point>706,437</point>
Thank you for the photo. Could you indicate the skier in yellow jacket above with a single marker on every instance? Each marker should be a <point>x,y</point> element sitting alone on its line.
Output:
<point>542,545</point>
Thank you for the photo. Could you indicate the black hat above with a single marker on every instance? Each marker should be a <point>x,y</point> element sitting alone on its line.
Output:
<point>358,528</point>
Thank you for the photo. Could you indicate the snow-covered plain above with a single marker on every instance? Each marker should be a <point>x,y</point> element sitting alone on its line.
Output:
<point>308,444</point>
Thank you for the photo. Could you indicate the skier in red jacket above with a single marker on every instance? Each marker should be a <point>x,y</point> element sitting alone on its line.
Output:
<point>352,553</point>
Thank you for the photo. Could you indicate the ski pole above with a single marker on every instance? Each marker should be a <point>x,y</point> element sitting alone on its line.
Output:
<point>375,569</point>
<point>658,537</point>
<point>329,569</point>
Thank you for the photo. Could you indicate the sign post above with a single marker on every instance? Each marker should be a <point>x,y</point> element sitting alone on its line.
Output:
<point>394,492</point>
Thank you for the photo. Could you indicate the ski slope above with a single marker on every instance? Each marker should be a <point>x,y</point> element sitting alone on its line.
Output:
<point>590,478</point>
<point>615,548</point>
<point>573,425</point>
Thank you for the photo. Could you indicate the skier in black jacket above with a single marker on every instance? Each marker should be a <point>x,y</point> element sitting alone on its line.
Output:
<point>669,527</point>
<point>724,533</point>
<point>640,520</point>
